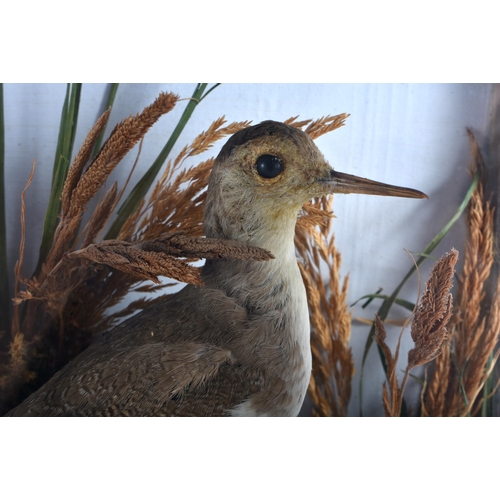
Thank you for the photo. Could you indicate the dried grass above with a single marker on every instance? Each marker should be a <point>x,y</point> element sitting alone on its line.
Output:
<point>101,215</point>
<point>319,127</point>
<point>160,257</point>
<point>460,373</point>
<point>15,366</point>
<point>177,200</point>
<point>80,187</point>
<point>76,169</point>
<point>392,397</point>
<point>428,331</point>
<point>333,363</point>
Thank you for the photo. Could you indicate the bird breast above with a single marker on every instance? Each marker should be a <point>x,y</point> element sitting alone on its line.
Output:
<point>282,340</point>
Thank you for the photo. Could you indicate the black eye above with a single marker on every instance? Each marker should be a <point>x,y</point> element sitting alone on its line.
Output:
<point>269,166</point>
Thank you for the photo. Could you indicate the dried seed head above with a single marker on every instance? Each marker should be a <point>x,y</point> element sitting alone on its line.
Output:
<point>433,313</point>
<point>160,257</point>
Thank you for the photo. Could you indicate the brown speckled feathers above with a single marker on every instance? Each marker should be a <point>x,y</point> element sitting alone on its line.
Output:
<point>153,365</point>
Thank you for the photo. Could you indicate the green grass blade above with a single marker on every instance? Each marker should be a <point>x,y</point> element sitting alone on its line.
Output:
<point>67,132</point>
<point>213,87</point>
<point>368,302</point>
<point>387,304</point>
<point>417,379</point>
<point>109,104</point>
<point>70,125</point>
<point>4,282</point>
<point>403,303</point>
<point>426,255</point>
<point>141,188</point>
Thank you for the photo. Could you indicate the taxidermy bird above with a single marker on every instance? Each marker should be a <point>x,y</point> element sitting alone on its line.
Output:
<point>239,345</point>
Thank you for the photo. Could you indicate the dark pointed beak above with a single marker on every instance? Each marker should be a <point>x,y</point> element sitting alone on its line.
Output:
<point>346,183</point>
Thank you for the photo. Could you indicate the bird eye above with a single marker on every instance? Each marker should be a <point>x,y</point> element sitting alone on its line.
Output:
<point>269,166</point>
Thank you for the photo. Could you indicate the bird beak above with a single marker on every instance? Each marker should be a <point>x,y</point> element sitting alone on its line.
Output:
<point>345,183</point>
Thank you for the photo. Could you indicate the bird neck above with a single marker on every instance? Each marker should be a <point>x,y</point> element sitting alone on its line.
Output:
<point>264,222</point>
<point>260,286</point>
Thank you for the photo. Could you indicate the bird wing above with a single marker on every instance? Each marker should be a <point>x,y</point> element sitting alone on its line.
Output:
<point>155,364</point>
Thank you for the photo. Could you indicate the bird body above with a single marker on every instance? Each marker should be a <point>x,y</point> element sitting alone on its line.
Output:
<point>239,345</point>
<point>156,363</point>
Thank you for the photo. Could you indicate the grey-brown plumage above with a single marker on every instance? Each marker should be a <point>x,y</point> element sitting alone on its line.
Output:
<point>240,344</point>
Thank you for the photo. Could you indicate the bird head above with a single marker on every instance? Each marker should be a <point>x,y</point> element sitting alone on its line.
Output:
<point>265,173</point>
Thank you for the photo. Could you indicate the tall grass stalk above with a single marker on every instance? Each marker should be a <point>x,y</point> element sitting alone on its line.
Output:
<point>67,132</point>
